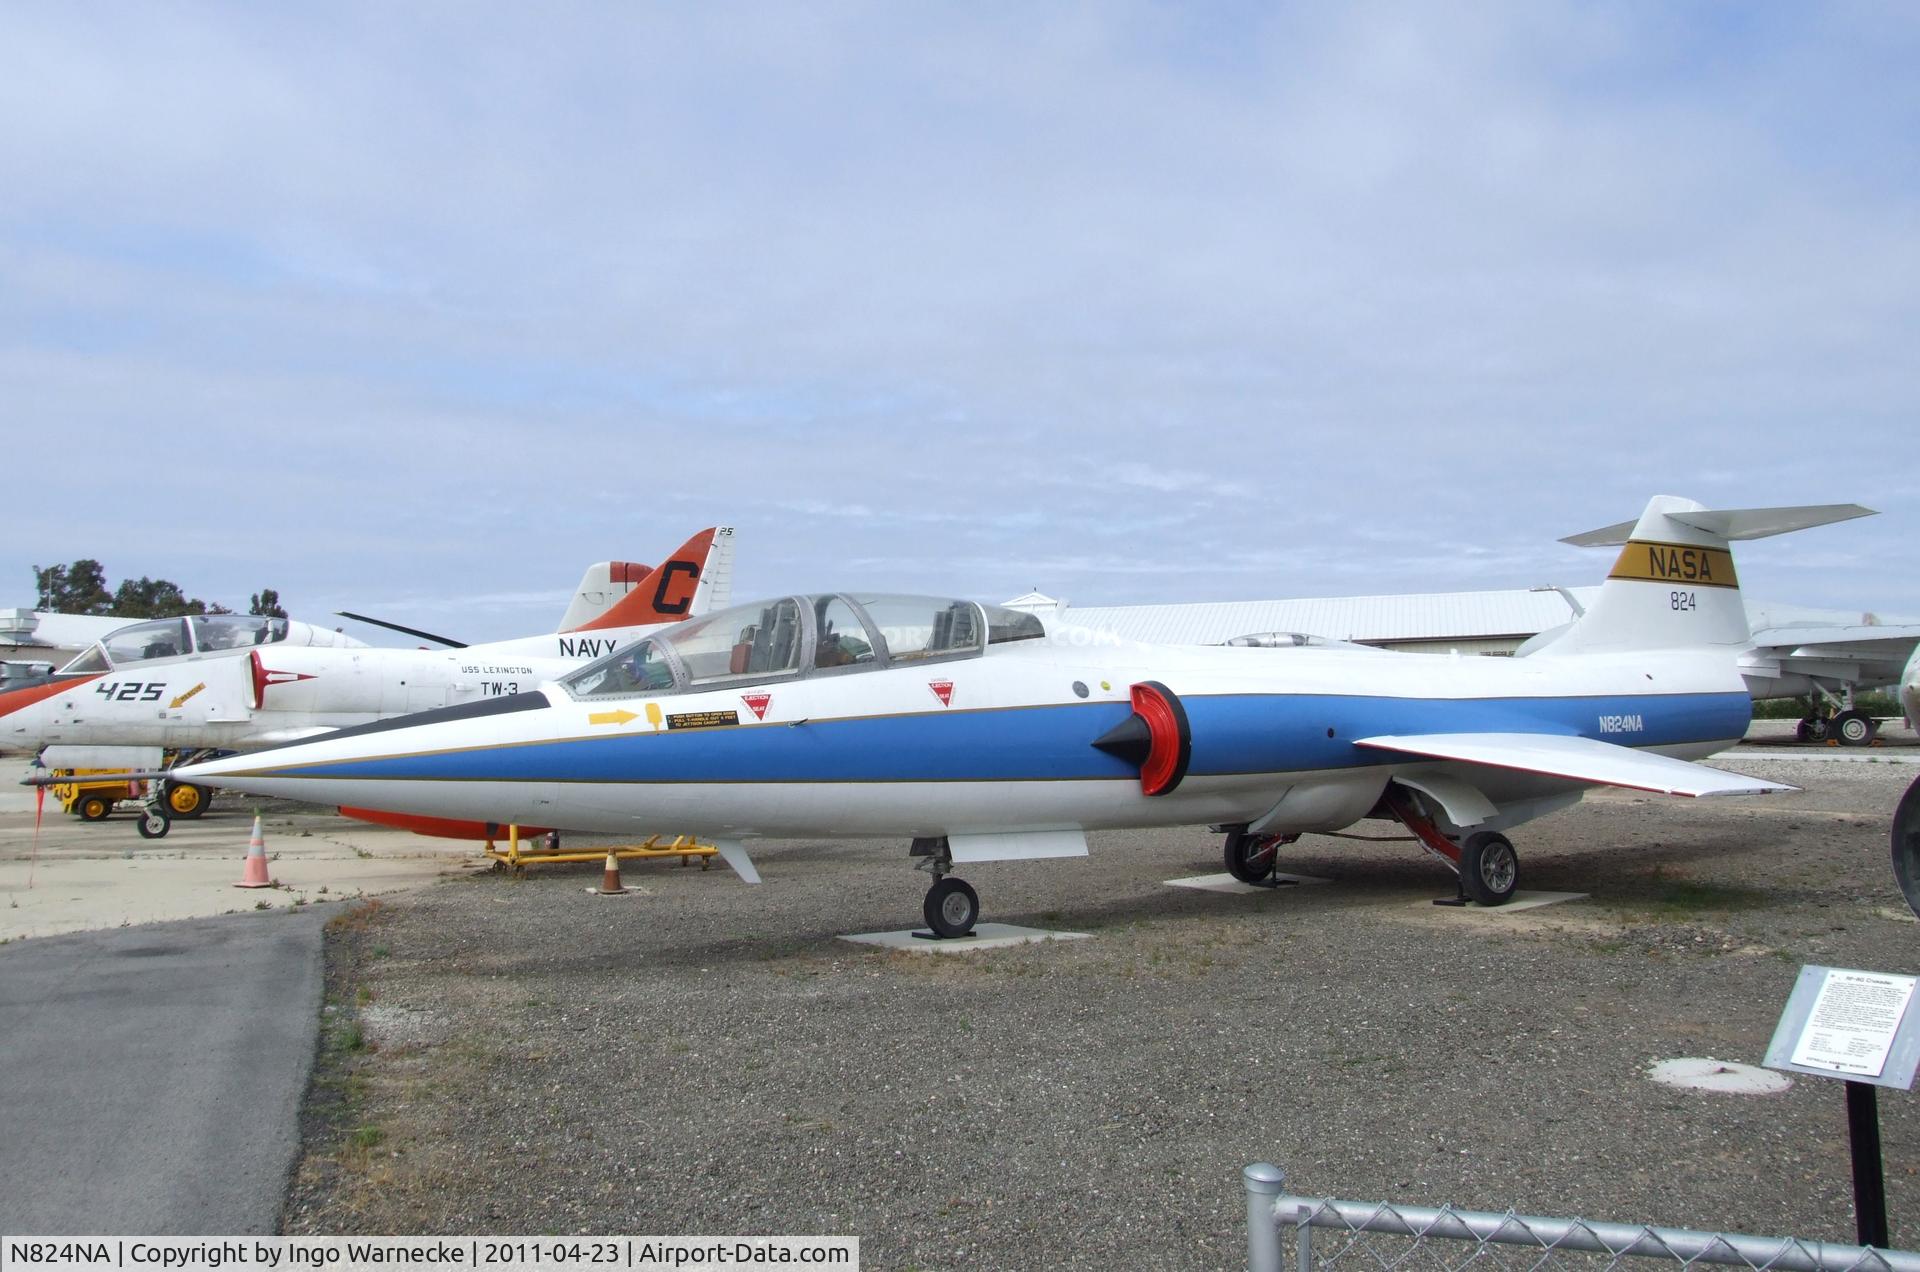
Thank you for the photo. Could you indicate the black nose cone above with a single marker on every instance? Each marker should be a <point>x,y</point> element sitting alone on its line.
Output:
<point>1129,740</point>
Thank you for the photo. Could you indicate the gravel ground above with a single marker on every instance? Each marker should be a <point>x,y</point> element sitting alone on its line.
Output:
<point>512,1055</point>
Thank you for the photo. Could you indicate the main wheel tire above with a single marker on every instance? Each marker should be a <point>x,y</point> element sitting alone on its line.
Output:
<point>154,824</point>
<point>1489,868</point>
<point>951,907</point>
<point>1251,858</point>
<point>186,800</point>
<point>1906,846</point>
<point>93,807</point>
<point>1811,729</point>
<point>1853,728</point>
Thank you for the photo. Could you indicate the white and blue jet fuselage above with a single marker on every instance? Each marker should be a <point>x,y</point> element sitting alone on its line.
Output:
<point>983,734</point>
<point>1003,740</point>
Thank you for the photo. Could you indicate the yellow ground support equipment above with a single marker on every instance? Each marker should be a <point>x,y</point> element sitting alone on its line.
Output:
<point>516,857</point>
<point>92,801</point>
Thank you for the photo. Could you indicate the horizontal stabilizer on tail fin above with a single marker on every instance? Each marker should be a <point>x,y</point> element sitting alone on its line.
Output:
<point>1579,759</point>
<point>1673,585</point>
<point>1736,523</point>
<point>604,584</point>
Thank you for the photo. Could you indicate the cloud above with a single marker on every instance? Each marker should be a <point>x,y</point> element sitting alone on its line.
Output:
<point>1131,303</point>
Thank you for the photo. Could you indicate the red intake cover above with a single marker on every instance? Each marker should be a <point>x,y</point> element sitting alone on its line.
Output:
<point>1170,742</point>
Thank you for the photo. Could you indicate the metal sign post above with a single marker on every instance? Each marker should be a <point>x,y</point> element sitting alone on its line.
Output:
<point>1856,1026</point>
<point>1869,1183</point>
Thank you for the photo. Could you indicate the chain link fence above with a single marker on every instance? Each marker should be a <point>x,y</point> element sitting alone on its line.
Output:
<point>1381,1237</point>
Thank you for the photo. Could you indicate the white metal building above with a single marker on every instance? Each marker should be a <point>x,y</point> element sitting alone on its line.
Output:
<point>1494,622</point>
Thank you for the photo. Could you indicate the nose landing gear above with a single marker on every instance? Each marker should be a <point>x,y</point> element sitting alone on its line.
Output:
<point>952,906</point>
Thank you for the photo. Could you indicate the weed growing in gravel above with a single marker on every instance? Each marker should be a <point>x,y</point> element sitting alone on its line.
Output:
<point>357,919</point>
<point>356,1153</point>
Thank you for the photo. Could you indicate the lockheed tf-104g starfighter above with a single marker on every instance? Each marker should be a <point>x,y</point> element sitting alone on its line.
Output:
<point>981,735</point>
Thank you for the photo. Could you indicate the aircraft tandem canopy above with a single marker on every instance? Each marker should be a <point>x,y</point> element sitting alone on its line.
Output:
<point>172,637</point>
<point>798,636</point>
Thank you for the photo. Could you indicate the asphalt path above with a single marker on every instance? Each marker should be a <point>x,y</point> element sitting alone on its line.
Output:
<point>154,1074</point>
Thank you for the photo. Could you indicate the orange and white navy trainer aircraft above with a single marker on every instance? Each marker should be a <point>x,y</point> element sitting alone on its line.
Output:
<point>237,683</point>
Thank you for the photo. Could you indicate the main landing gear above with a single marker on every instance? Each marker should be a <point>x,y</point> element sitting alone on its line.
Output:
<point>1485,862</point>
<point>1833,718</point>
<point>952,906</point>
<point>1251,858</point>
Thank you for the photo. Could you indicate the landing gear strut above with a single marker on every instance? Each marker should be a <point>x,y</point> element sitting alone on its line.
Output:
<point>1485,863</point>
<point>952,906</point>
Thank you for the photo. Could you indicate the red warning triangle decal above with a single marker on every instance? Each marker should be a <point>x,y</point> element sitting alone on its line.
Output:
<point>757,703</point>
<point>943,690</point>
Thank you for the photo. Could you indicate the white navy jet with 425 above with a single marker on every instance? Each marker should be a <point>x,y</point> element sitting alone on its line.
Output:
<point>982,735</point>
<point>235,683</point>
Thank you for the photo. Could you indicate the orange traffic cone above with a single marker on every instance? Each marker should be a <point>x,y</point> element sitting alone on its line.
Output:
<point>610,885</point>
<point>256,873</point>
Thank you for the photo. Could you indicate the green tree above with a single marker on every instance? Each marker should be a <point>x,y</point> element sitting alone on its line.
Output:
<point>80,588</point>
<point>154,598</point>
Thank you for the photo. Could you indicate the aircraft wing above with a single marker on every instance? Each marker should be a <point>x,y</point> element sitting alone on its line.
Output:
<point>1871,654</point>
<point>1581,759</point>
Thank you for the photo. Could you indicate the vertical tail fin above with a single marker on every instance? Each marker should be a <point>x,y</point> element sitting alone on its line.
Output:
<point>1673,585</point>
<point>695,578</point>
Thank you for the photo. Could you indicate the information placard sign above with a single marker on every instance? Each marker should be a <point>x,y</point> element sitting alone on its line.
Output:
<point>1844,1023</point>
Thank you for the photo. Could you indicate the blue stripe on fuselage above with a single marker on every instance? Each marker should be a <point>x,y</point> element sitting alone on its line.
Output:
<point>1234,733</point>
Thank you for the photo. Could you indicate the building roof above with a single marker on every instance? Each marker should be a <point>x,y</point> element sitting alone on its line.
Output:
<point>1507,615</point>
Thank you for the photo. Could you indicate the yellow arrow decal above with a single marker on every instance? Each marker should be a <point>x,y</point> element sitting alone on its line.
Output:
<point>181,700</point>
<point>611,717</point>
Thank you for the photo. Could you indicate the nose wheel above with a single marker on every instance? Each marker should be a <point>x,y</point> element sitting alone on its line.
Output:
<point>951,907</point>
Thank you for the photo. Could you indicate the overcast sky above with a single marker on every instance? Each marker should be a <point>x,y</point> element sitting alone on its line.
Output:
<point>420,308</point>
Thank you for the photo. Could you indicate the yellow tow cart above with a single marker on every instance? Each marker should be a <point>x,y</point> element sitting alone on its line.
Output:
<point>518,858</point>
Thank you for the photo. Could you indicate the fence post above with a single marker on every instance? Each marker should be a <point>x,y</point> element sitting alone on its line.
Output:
<point>1264,1183</point>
